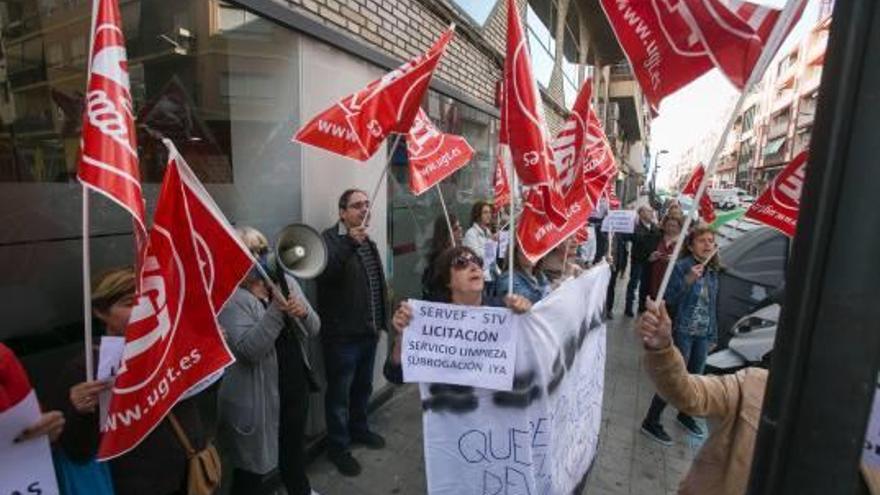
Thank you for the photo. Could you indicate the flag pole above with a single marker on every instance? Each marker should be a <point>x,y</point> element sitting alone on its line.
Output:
<point>87,285</point>
<point>511,262</point>
<point>382,178</point>
<point>446,214</point>
<point>777,36</point>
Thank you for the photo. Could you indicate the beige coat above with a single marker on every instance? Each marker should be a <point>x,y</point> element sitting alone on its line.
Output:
<point>732,406</point>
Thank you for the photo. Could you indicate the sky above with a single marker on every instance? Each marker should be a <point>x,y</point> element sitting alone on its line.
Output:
<point>704,105</point>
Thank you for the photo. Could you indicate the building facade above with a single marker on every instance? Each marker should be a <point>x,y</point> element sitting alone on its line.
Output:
<point>230,83</point>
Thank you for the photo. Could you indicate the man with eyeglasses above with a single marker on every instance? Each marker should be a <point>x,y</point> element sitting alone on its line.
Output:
<point>353,309</point>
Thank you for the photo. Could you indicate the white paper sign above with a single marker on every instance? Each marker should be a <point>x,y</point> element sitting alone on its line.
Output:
<point>109,361</point>
<point>490,252</point>
<point>461,345</point>
<point>871,454</point>
<point>25,467</point>
<point>503,243</point>
<point>541,437</point>
<point>621,221</point>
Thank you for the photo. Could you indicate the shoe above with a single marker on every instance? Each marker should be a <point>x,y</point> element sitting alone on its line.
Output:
<point>690,425</point>
<point>609,315</point>
<point>369,439</point>
<point>655,432</point>
<point>345,463</point>
<point>629,312</point>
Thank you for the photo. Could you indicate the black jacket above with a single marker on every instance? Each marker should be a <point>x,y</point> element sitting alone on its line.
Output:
<point>344,291</point>
<point>644,242</point>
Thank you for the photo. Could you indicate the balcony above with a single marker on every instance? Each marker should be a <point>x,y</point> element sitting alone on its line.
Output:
<point>625,92</point>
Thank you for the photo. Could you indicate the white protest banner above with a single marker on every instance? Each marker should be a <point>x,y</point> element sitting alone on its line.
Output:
<point>541,437</point>
<point>871,454</point>
<point>620,221</point>
<point>25,467</point>
<point>460,345</point>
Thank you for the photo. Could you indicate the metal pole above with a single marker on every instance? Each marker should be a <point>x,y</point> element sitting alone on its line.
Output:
<point>774,41</point>
<point>446,214</point>
<point>87,286</point>
<point>381,178</point>
<point>512,234</point>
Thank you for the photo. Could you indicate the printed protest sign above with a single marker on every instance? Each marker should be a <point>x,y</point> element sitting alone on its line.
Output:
<point>619,221</point>
<point>25,467</point>
<point>540,437</point>
<point>109,361</point>
<point>460,345</point>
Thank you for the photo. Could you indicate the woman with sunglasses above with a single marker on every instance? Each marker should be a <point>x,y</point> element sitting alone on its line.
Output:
<point>458,279</point>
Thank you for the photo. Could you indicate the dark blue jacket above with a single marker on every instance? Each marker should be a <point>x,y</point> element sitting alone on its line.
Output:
<point>682,298</point>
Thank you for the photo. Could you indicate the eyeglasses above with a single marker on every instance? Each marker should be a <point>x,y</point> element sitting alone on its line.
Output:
<point>359,205</point>
<point>462,261</point>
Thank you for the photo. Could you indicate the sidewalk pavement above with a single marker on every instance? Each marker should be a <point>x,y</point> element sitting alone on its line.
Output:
<point>628,462</point>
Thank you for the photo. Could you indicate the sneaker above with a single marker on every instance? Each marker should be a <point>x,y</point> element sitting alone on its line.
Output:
<point>369,439</point>
<point>689,424</point>
<point>345,463</point>
<point>655,432</point>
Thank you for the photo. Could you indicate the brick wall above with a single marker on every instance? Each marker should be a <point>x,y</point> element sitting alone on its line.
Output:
<point>406,28</point>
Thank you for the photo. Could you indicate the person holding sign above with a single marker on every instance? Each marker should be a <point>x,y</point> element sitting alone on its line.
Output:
<point>478,236</point>
<point>528,280</point>
<point>158,465</point>
<point>560,264</point>
<point>693,295</point>
<point>459,280</point>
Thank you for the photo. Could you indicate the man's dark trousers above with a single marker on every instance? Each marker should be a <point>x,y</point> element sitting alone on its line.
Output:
<point>349,367</point>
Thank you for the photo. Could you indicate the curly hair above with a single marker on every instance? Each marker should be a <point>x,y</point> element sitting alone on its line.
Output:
<point>696,231</point>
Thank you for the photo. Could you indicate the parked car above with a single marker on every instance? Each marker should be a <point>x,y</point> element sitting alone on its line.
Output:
<point>751,342</point>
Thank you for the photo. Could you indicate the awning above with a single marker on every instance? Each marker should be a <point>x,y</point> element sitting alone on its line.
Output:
<point>774,146</point>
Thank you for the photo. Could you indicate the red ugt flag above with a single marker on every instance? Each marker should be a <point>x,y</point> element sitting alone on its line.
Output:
<point>669,43</point>
<point>523,130</point>
<point>536,233</point>
<point>599,166</point>
<point>108,161</point>
<point>707,211</point>
<point>780,203</point>
<point>433,156</point>
<point>356,126</point>
<point>172,341</point>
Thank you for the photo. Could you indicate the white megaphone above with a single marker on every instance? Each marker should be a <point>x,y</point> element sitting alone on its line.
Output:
<point>300,251</point>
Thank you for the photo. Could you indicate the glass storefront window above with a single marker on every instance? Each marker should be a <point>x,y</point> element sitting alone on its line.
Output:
<point>542,47</point>
<point>477,10</point>
<point>412,217</point>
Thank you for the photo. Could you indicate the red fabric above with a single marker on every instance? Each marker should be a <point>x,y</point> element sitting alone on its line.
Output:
<point>501,184</point>
<point>599,166</point>
<point>433,155</point>
<point>172,341</point>
<point>14,384</point>
<point>356,126</point>
<point>108,160</point>
<point>658,268</point>
<point>707,211</point>
<point>671,43</point>
<point>779,205</point>
<point>523,130</point>
<point>536,233</point>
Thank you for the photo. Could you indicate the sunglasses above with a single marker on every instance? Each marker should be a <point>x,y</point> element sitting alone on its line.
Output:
<point>462,261</point>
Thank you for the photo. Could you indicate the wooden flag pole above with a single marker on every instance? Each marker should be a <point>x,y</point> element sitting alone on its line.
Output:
<point>775,40</point>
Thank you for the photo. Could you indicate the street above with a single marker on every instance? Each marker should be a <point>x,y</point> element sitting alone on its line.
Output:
<point>628,462</point>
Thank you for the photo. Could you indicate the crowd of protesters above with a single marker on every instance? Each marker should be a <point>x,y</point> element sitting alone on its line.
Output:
<point>256,413</point>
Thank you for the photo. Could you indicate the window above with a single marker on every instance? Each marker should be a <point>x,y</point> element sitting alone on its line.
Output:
<point>542,47</point>
<point>477,10</point>
<point>749,118</point>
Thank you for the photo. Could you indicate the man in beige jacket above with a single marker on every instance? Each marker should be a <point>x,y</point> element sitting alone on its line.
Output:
<point>730,403</point>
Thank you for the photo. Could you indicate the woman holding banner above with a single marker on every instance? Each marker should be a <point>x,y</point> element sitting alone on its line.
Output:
<point>528,280</point>
<point>692,294</point>
<point>458,279</point>
<point>158,465</point>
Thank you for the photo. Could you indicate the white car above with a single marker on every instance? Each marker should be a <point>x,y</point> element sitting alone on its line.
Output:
<point>751,344</point>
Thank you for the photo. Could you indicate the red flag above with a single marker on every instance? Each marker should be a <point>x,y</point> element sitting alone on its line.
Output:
<point>108,160</point>
<point>501,189</point>
<point>613,200</point>
<point>707,211</point>
<point>172,341</point>
<point>14,383</point>
<point>779,205</point>
<point>536,233</point>
<point>433,156</point>
<point>583,235</point>
<point>523,130</point>
<point>599,166</point>
<point>356,126</point>
<point>671,43</point>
